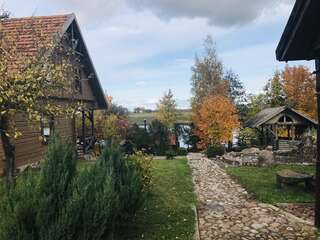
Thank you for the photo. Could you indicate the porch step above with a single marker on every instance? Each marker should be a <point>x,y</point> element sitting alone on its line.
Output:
<point>80,151</point>
<point>284,145</point>
<point>287,145</point>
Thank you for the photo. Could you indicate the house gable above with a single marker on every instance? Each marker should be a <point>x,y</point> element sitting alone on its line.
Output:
<point>22,31</point>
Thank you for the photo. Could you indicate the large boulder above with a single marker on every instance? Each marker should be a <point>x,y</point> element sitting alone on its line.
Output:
<point>250,151</point>
<point>231,159</point>
<point>265,157</point>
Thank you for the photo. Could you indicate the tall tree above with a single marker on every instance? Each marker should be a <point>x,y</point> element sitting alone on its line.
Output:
<point>207,78</point>
<point>236,92</point>
<point>274,91</point>
<point>167,110</point>
<point>29,80</point>
<point>299,87</point>
<point>216,120</point>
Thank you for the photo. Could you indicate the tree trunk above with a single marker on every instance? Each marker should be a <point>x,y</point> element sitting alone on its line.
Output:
<point>9,151</point>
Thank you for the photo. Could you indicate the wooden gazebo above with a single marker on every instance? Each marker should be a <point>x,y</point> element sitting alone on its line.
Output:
<point>281,127</point>
<point>301,41</point>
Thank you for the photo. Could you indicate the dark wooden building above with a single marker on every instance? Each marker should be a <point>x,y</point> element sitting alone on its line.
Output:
<point>29,147</point>
<point>282,127</point>
<point>301,41</point>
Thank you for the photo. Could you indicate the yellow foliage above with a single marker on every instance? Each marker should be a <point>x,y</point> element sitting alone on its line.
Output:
<point>299,87</point>
<point>215,120</point>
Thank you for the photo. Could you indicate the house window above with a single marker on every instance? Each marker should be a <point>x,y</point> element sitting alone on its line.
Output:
<point>46,128</point>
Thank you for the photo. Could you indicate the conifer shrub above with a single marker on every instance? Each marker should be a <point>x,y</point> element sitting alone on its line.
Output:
<point>60,203</point>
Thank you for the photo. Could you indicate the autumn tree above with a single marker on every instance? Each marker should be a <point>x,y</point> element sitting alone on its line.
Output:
<point>28,80</point>
<point>299,87</point>
<point>208,76</point>
<point>167,110</point>
<point>216,120</point>
<point>112,124</point>
<point>274,91</point>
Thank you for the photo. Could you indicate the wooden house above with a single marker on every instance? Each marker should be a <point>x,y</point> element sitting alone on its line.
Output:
<point>29,148</point>
<point>301,41</point>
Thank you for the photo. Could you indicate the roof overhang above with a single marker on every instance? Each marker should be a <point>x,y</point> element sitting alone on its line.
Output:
<point>301,37</point>
<point>95,82</point>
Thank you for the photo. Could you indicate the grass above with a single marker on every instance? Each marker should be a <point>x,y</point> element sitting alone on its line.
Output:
<point>183,117</point>
<point>167,213</point>
<point>261,182</point>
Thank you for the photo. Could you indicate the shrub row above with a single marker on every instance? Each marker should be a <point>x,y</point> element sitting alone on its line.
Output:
<point>61,203</point>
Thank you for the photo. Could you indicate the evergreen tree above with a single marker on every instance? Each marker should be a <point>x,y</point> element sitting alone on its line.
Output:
<point>274,92</point>
<point>237,92</point>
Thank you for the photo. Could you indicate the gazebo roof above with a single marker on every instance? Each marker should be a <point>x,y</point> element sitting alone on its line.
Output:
<point>267,114</point>
<point>301,37</point>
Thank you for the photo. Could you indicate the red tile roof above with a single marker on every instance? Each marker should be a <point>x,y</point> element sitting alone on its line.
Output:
<point>28,34</point>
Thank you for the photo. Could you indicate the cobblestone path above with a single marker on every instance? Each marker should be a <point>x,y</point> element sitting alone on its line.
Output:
<point>225,212</point>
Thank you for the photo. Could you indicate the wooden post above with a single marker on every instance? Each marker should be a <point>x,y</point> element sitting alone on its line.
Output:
<point>317,196</point>
<point>92,122</point>
<point>84,131</point>
<point>262,136</point>
<point>293,132</point>
<point>276,136</point>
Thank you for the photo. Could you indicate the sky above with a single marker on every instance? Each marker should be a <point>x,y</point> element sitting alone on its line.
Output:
<point>142,48</point>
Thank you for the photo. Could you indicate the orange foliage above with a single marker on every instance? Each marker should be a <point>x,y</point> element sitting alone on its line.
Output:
<point>216,120</point>
<point>299,87</point>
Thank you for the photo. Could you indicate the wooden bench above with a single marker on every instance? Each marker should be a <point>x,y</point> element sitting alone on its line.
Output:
<point>290,177</point>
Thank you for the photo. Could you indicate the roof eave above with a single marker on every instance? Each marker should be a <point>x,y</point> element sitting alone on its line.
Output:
<point>299,36</point>
<point>102,102</point>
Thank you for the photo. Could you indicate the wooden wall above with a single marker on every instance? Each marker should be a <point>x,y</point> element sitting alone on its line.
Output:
<point>29,147</point>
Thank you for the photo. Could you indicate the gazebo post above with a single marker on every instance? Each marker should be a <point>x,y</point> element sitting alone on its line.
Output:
<point>317,197</point>
<point>276,136</point>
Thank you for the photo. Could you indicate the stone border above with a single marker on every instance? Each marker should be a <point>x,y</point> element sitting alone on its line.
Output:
<point>194,207</point>
<point>196,229</point>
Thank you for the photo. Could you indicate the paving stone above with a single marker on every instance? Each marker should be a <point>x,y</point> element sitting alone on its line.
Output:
<point>226,212</point>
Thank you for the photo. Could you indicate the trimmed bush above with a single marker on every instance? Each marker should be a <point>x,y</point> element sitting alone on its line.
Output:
<point>170,154</point>
<point>143,163</point>
<point>215,150</point>
<point>182,152</point>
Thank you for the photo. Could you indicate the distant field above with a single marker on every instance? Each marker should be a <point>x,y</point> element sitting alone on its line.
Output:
<point>138,118</point>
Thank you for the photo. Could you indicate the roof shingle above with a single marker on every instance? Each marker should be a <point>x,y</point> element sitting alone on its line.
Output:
<point>28,34</point>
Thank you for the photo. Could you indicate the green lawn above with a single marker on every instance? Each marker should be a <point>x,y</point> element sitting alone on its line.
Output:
<point>183,117</point>
<point>167,213</point>
<point>261,182</point>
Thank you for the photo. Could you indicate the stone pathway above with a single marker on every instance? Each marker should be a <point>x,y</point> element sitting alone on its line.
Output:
<point>226,212</point>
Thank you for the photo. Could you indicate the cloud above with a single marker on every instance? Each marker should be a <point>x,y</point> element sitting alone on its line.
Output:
<point>92,11</point>
<point>218,12</point>
<point>223,13</point>
<point>141,83</point>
